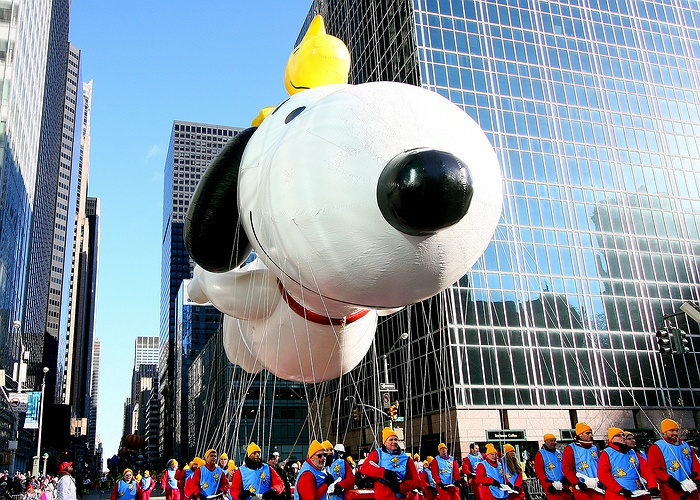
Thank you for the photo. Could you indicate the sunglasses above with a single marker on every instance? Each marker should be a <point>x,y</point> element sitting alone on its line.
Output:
<point>320,455</point>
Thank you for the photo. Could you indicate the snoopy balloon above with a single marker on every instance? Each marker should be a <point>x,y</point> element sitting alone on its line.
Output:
<point>357,199</point>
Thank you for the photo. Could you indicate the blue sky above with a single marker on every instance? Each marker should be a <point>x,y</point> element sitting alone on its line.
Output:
<point>153,62</point>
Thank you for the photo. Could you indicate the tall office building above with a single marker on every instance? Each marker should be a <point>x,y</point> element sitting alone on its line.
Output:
<point>33,43</point>
<point>93,440</point>
<point>593,108</point>
<point>192,147</point>
<point>146,351</point>
<point>144,380</point>
<point>57,121</point>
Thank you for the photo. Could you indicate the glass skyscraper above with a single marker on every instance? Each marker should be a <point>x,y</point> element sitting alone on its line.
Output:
<point>192,147</point>
<point>593,107</point>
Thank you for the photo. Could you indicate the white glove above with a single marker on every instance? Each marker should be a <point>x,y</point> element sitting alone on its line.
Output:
<point>557,485</point>
<point>639,493</point>
<point>591,482</point>
<point>688,485</point>
<point>505,487</point>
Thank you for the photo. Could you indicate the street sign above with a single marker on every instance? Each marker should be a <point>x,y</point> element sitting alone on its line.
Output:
<point>386,386</point>
<point>18,401</point>
<point>505,434</point>
<point>399,419</point>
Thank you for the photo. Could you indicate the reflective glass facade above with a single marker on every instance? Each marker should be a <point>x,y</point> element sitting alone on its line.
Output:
<point>593,108</point>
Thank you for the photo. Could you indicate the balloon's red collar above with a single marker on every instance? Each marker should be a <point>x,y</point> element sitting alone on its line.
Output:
<point>315,317</point>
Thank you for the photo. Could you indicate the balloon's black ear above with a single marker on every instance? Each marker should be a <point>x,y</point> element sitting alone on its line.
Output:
<point>213,234</point>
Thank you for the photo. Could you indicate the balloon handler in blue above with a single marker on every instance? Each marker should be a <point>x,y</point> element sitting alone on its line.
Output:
<point>255,478</point>
<point>313,481</point>
<point>126,488</point>
<point>623,471</point>
<point>446,474</point>
<point>490,476</point>
<point>394,472</point>
<point>208,480</point>
<point>343,477</point>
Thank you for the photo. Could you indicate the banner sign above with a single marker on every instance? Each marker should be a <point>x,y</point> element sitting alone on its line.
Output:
<point>32,419</point>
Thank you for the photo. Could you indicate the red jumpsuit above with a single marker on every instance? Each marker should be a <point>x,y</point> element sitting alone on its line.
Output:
<point>484,481</point>
<point>470,474</point>
<point>612,486</point>
<point>657,463</point>
<point>192,489</point>
<point>144,493</point>
<point>371,468</point>
<point>306,486</point>
<point>429,491</point>
<point>276,483</point>
<point>545,482</point>
<point>569,467</point>
<point>515,481</point>
<point>170,493</point>
<point>446,492</point>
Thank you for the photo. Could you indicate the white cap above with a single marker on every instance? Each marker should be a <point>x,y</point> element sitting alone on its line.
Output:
<point>276,453</point>
<point>339,447</point>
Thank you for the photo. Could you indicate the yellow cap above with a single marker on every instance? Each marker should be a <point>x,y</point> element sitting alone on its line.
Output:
<point>387,433</point>
<point>429,459</point>
<point>223,455</point>
<point>209,452</point>
<point>315,447</point>
<point>349,459</point>
<point>231,465</point>
<point>147,473</point>
<point>416,456</point>
<point>198,461</point>
<point>441,446</point>
<point>668,425</point>
<point>252,448</point>
<point>582,427</point>
<point>327,445</point>
<point>127,470</point>
<point>508,448</point>
<point>614,431</point>
<point>548,436</point>
<point>490,449</point>
<point>187,467</point>
<point>172,461</point>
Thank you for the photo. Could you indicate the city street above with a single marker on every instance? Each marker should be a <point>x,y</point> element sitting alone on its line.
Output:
<point>96,495</point>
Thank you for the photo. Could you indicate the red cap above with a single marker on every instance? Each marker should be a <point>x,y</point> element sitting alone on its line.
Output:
<point>64,466</point>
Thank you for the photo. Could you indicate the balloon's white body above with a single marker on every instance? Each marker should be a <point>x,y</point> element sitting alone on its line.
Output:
<point>307,195</point>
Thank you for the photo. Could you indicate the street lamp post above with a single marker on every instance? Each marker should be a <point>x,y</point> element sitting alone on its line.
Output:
<point>35,468</point>
<point>45,456</point>
<point>18,375</point>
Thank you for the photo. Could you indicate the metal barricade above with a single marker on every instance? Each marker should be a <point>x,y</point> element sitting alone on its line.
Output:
<point>533,489</point>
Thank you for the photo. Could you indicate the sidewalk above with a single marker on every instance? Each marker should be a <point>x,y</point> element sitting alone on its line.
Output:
<point>96,495</point>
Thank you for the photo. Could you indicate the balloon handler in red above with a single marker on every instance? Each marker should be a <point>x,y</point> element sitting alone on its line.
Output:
<point>395,475</point>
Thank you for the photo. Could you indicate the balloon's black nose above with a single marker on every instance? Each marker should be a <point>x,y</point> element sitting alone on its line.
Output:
<point>424,190</point>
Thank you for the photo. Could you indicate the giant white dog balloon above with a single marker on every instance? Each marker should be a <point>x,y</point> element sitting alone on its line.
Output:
<point>358,200</point>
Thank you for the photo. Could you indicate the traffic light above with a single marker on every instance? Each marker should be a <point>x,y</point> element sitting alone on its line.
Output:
<point>356,414</point>
<point>664,340</point>
<point>682,341</point>
<point>392,412</point>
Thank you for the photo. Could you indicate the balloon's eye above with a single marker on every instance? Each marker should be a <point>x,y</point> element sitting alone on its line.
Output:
<point>294,114</point>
